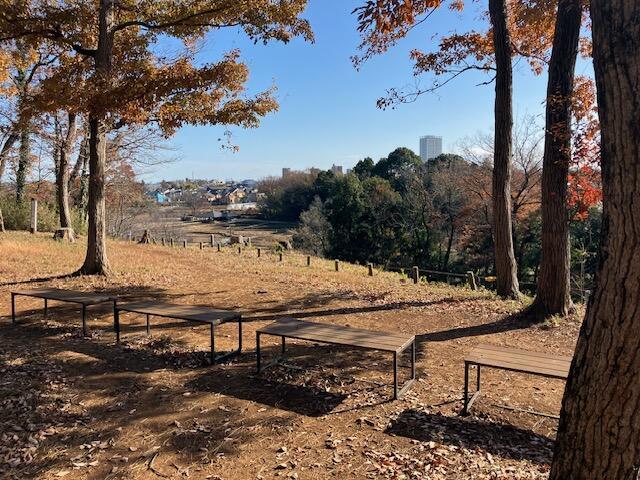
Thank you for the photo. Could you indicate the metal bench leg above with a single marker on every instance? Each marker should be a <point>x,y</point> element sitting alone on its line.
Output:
<point>239,335</point>
<point>213,344</point>
<point>258,351</point>
<point>46,308</point>
<point>398,393</point>
<point>13,309</point>
<point>116,322</point>
<point>148,325</point>
<point>465,408</point>
<point>84,320</point>
<point>468,402</point>
<point>283,346</point>
<point>395,375</point>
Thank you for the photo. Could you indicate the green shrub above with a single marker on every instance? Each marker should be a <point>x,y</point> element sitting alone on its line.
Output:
<point>17,216</point>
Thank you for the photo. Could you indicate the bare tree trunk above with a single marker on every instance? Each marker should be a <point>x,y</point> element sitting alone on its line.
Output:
<point>553,296</point>
<point>96,262</point>
<point>62,174</point>
<point>4,152</point>
<point>506,269</point>
<point>599,431</point>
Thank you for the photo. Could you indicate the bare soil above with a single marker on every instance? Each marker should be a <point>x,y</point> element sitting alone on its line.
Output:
<point>84,408</point>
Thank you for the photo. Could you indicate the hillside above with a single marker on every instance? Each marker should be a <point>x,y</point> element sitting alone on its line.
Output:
<point>85,408</point>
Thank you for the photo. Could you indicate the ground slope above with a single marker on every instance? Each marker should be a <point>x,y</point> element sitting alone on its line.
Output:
<point>84,408</point>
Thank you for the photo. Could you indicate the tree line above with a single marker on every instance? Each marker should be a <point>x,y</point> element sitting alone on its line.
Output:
<point>401,211</point>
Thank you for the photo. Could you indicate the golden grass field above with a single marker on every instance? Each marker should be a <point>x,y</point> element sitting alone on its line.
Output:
<point>84,408</point>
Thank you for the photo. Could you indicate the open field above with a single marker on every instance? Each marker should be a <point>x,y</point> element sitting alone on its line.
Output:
<point>166,222</point>
<point>81,408</point>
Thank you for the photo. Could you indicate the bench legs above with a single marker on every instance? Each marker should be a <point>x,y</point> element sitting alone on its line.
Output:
<point>228,355</point>
<point>13,309</point>
<point>46,312</point>
<point>468,402</point>
<point>259,366</point>
<point>398,393</point>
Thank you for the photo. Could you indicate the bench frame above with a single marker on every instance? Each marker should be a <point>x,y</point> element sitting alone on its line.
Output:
<point>214,358</point>
<point>46,306</point>
<point>468,401</point>
<point>397,391</point>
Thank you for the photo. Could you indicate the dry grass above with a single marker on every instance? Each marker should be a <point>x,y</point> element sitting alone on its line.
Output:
<point>84,408</point>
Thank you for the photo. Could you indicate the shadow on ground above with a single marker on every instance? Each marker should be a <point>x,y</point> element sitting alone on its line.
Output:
<point>471,433</point>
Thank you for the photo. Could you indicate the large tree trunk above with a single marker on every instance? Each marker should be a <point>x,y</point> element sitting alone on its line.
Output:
<point>62,176</point>
<point>553,296</point>
<point>96,262</point>
<point>506,269</point>
<point>24,160</point>
<point>599,431</point>
<point>4,152</point>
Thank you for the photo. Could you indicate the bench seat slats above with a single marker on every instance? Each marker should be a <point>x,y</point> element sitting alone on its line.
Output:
<point>84,298</point>
<point>328,333</point>
<point>520,360</point>
<point>183,312</point>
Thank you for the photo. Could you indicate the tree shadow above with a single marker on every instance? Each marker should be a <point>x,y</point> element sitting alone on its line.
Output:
<point>289,308</point>
<point>502,440</point>
<point>517,321</point>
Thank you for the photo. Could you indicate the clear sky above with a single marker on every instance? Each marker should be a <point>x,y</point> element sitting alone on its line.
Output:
<point>328,109</point>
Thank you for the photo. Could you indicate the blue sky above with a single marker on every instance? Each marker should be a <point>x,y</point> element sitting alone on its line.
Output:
<point>328,109</point>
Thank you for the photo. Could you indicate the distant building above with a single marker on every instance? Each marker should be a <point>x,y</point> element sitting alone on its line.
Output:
<point>430,147</point>
<point>337,169</point>
<point>286,172</point>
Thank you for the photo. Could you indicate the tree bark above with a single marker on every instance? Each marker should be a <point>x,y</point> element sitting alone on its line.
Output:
<point>506,269</point>
<point>24,154</point>
<point>4,153</point>
<point>599,431</point>
<point>96,262</point>
<point>553,296</point>
<point>62,174</point>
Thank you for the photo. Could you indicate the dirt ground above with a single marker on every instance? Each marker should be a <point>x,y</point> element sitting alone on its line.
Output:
<point>84,408</point>
<point>166,222</point>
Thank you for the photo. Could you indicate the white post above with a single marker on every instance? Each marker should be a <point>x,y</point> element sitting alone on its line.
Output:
<point>34,215</point>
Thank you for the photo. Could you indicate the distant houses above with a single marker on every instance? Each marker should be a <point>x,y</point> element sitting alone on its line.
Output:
<point>237,197</point>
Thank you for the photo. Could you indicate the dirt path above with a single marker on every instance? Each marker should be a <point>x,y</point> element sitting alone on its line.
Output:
<point>83,408</point>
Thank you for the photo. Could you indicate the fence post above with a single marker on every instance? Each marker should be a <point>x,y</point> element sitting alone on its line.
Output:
<point>308,260</point>
<point>34,216</point>
<point>337,265</point>
<point>218,246</point>
<point>370,266</point>
<point>200,245</point>
<point>162,241</point>
<point>471,278</point>
<point>415,274</point>
<point>239,250</point>
<point>259,252</point>
<point>171,242</point>
<point>212,238</point>
<point>184,244</point>
<point>280,256</point>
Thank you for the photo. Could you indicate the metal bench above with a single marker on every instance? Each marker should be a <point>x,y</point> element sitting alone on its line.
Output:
<point>514,360</point>
<point>396,343</point>
<point>83,298</point>
<point>188,313</point>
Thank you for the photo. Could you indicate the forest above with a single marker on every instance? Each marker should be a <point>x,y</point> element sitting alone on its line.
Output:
<point>400,212</point>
